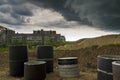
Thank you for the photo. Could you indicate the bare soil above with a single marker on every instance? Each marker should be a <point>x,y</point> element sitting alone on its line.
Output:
<point>85,73</point>
<point>87,58</point>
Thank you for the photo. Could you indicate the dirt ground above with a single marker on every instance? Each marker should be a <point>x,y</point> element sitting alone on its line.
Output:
<point>89,74</point>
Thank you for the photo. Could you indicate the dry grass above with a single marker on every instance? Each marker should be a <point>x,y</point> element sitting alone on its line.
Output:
<point>89,42</point>
<point>87,62</point>
<point>86,50</point>
<point>4,70</point>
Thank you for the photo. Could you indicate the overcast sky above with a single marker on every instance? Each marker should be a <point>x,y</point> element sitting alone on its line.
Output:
<point>75,19</point>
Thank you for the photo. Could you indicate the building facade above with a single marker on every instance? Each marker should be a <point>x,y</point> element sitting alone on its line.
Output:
<point>38,36</point>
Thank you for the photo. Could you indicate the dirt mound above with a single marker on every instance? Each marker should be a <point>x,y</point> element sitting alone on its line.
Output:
<point>89,42</point>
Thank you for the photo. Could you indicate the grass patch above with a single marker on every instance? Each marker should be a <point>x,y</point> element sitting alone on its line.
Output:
<point>2,49</point>
<point>114,44</point>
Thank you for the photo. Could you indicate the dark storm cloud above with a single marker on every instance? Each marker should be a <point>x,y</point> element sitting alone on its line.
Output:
<point>60,24</point>
<point>5,8</point>
<point>22,10</point>
<point>102,14</point>
<point>15,2</point>
<point>58,5</point>
<point>13,12</point>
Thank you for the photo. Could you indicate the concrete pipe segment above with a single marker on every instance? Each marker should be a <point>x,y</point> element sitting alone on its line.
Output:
<point>116,70</point>
<point>68,67</point>
<point>17,56</point>
<point>45,53</point>
<point>35,70</point>
<point>104,63</point>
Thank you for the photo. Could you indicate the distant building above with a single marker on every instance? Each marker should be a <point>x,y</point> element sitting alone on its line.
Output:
<point>38,36</point>
<point>5,36</point>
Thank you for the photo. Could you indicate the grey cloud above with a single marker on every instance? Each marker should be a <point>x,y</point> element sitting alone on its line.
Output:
<point>16,12</point>
<point>102,14</point>
<point>8,19</point>
<point>5,8</point>
<point>3,2</point>
<point>60,24</point>
<point>16,2</point>
<point>22,10</point>
<point>13,12</point>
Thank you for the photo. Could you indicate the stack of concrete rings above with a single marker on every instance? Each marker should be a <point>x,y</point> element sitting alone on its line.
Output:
<point>17,56</point>
<point>116,70</point>
<point>35,70</point>
<point>45,53</point>
<point>105,66</point>
<point>68,67</point>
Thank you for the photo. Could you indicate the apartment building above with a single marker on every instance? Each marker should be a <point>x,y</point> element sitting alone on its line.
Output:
<point>38,36</point>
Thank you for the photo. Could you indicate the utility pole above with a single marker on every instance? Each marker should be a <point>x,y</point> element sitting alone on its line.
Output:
<point>42,35</point>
